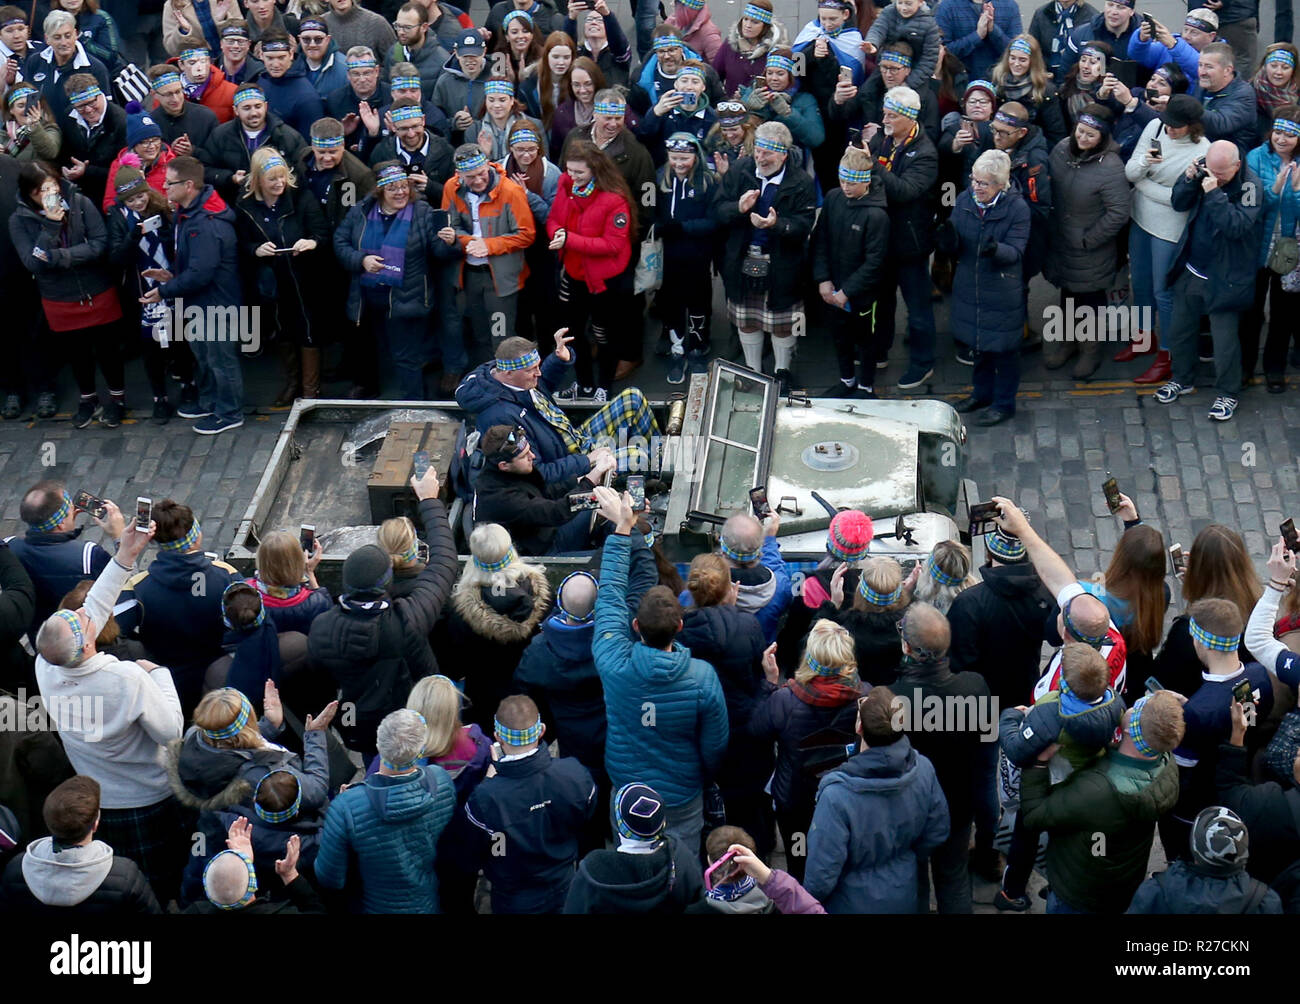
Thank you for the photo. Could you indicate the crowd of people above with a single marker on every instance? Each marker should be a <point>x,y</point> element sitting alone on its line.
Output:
<point>418,187</point>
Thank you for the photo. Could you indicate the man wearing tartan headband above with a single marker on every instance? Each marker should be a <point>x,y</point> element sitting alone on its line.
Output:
<point>249,92</point>
<point>894,56</point>
<point>663,42</point>
<point>762,576</point>
<point>405,84</point>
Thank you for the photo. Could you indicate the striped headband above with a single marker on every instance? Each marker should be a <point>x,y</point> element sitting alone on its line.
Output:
<point>582,191</point>
<point>1005,547</point>
<point>875,598</point>
<point>1094,640</point>
<point>939,575</point>
<point>261,610</point>
<point>495,566</point>
<point>852,176</point>
<point>272,162</point>
<point>312,24</point>
<point>166,80</point>
<point>757,13</point>
<point>10,22</point>
<point>81,97</point>
<point>898,108</point>
<point>667,42</point>
<point>249,894</point>
<point>471,163</point>
<point>195,53</point>
<point>518,737</point>
<point>980,85</point>
<point>528,360</point>
<point>525,136</point>
<point>744,557</point>
<point>780,62</point>
<point>234,31</point>
<point>249,92</point>
<point>389,175</point>
<point>185,542</point>
<point>771,145</point>
<point>21,91</point>
<point>692,4</point>
<point>516,15</point>
<point>690,71</point>
<point>411,553</point>
<point>1280,56</point>
<point>890,56</point>
<point>1020,45</point>
<point>55,518</point>
<point>1286,126</point>
<point>362,63</point>
<point>1196,22</point>
<point>616,108</point>
<point>818,668</point>
<point>1006,118</point>
<point>275,45</point>
<point>236,726</point>
<point>404,84</point>
<point>326,142</point>
<point>560,592</point>
<point>1092,122</point>
<point>1217,642</point>
<point>73,622</point>
<point>284,815</point>
<point>400,767</point>
<point>406,112</point>
<point>1095,51</point>
<point>1135,728</point>
<point>498,87</point>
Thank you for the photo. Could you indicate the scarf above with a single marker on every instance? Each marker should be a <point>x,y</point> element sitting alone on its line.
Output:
<point>1064,25</point>
<point>534,175</point>
<point>731,891</point>
<point>827,691</point>
<point>1082,95</point>
<point>892,148</point>
<point>1269,98</point>
<point>1018,89</point>
<point>256,657</point>
<point>389,242</point>
<point>276,592</point>
<point>151,252</point>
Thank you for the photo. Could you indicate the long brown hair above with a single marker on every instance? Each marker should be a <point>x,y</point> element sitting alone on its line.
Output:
<point>605,171</point>
<point>1136,575</point>
<point>588,66</point>
<point>1219,567</point>
<point>530,56</point>
<point>545,85</point>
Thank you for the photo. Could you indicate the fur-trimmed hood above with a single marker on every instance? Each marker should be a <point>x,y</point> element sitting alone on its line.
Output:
<point>510,615</point>
<point>236,790</point>
<point>773,38</point>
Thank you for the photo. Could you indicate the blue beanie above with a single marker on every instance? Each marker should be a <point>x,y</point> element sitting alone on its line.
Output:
<point>140,126</point>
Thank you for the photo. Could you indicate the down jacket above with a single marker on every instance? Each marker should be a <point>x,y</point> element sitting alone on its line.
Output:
<point>415,297</point>
<point>988,290</point>
<point>598,234</point>
<point>1091,204</point>
<point>207,778</point>
<point>85,881</point>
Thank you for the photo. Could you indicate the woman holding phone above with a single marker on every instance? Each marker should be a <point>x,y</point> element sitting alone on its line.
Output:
<point>1084,81</point>
<point>30,130</point>
<point>600,39</point>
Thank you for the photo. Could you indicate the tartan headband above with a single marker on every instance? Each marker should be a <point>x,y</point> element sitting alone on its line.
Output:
<point>1020,45</point>
<point>1006,118</point>
<point>616,108</point>
<point>780,62</point>
<point>185,542</point>
<point>771,145</point>
<point>313,24</point>
<point>55,518</point>
<point>404,84</point>
<point>1196,22</point>
<point>744,557</point>
<point>273,162</point>
<point>284,815</point>
<point>1217,642</point>
<point>528,360</point>
<point>71,619</point>
<point>498,87</point>
<point>389,175</point>
<point>81,97</point>
<point>1135,727</point>
<point>516,15</point>
<point>236,726</point>
<point>1092,122</point>
<point>852,176</point>
<point>235,31</point>
<point>1094,51</point>
<point>939,575</point>
<point>690,71</point>
<point>249,92</point>
<point>875,598</point>
<point>757,13</point>
<point>276,45</point>
<point>1094,640</point>
<point>1286,126</point>
<point>326,142</point>
<point>362,63</point>
<point>261,608</point>
<point>518,737</point>
<point>406,112</point>
<point>1005,547</point>
<point>411,553</point>
<point>980,85</point>
<point>165,80</point>
<point>16,94</point>
<point>667,42</point>
<point>560,592</point>
<point>898,108</point>
<point>525,136</point>
<point>818,668</point>
<point>472,162</point>
<point>195,53</point>
<point>692,4</point>
<point>1280,56</point>
<point>250,893</point>
<point>890,56</point>
<point>495,566</point>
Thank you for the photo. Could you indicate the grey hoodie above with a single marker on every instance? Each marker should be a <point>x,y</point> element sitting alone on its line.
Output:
<point>67,877</point>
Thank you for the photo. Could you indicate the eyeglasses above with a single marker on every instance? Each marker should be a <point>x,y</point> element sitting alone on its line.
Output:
<point>1004,132</point>
<point>172,184</point>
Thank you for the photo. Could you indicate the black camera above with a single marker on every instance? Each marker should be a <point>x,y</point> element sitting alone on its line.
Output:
<point>1202,172</point>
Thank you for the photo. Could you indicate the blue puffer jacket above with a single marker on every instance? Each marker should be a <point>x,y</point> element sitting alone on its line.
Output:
<point>391,825</point>
<point>875,816</point>
<point>987,291</point>
<point>666,716</point>
<point>1264,162</point>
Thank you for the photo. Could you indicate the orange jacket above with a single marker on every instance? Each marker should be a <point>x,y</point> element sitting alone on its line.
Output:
<point>506,223</point>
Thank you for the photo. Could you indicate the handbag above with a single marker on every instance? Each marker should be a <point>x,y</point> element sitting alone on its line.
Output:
<point>1291,277</point>
<point>650,267</point>
<point>1284,256</point>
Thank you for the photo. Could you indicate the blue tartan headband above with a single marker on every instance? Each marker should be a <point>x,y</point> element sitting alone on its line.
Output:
<point>234,728</point>
<point>362,63</point>
<point>528,360</point>
<point>1020,45</point>
<point>261,607</point>
<point>781,62</point>
<point>326,142</point>
<point>276,45</point>
<point>389,176</point>
<point>471,163</point>
<point>818,668</point>
<point>495,566</point>
<point>185,542</point>
<point>1286,126</point>
<point>560,592</point>
<point>1005,547</point>
<point>55,518</point>
<point>1280,56</point>
<point>525,136</point>
<point>1092,122</point>
<point>195,53</point>
<point>404,84</point>
<point>250,893</point>
<point>616,108</point>
<point>756,13</point>
<point>271,162</point>
<point>79,636</point>
<point>517,737</point>
<point>692,4</point>
<point>939,575</point>
<point>771,145</point>
<point>690,71</point>
<point>400,767</point>
<point>406,112</point>
<point>890,56</point>
<point>1094,640</point>
<point>498,87</point>
<point>165,80</point>
<point>411,553</point>
<point>666,42</point>
<point>516,15</point>
<point>1135,727</point>
<point>284,815</point>
<point>875,598</point>
<point>88,94</point>
<point>249,92</point>
<point>743,557</point>
<point>898,108</point>
<point>16,94</point>
<point>1217,642</point>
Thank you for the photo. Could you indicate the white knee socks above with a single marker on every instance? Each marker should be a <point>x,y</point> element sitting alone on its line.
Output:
<point>783,351</point>
<point>752,344</point>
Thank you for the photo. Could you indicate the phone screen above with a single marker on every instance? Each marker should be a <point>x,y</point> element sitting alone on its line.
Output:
<point>421,463</point>
<point>143,512</point>
<point>441,219</point>
<point>86,502</point>
<point>1289,533</point>
<point>1110,488</point>
<point>981,518</point>
<point>307,537</point>
<point>1176,558</point>
<point>636,488</point>
<point>1243,693</point>
<point>758,499</point>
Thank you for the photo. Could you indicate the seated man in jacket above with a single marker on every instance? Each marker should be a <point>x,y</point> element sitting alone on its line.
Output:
<point>877,815</point>
<point>510,491</point>
<point>666,714</point>
<point>518,388</point>
<point>70,872</point>
<point>763,577</point>
<point>1112,804</point>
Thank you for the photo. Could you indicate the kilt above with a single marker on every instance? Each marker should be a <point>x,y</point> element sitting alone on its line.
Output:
<point>751,313</point>
<point>156,837</point>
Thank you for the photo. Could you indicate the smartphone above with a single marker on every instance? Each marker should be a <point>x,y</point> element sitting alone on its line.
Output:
<point>636,488</point>
<point>307,538</point>
<point>1156,149</point>
<point>441,219</point>
<point>421,463</point>
<point>583,502</point>
<point>50,202</point>
<point>151,224</point>
<point>709,872</point>
<point>143,513</point>
<point>1153,685</point>
<point>1178,559</point>
<point>1150,22</point>
<point>86,502</point>
<point>846,73</point>
<point>967,122</point>
<point>1292,538</point>
<point>758,501</point>
<point>855,136</point>
<point>284,250</point>
<point>981,518</point>
<point>1110,488</point>
<point>1244,692</point>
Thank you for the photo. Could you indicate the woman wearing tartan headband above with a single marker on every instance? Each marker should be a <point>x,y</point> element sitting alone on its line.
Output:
<point>947,571</point>
<point>743,53</point>
<point>274,793</point>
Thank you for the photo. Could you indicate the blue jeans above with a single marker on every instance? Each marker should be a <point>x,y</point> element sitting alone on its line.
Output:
<point>1057,905</point>
<point>997,378</point>
<point>1150,260</point>
<point>219,379</point>
<point>406,343</point>
<point>911,277</point>
<point>574,535</point>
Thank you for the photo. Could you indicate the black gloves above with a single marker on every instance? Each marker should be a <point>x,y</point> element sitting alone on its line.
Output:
<point>989,248</point>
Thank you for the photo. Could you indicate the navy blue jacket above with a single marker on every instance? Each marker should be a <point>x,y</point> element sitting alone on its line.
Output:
<point>56,562</point>
<point>205,269</point>
<point>293,98</point>
<point>1231,114</point>
<point>1096,31</point>
<point>531,815</point>
<point>1186,888</point>
<point>849,245</point>
<point>684,216</point>
<point>415,296</point>
<point>1233,222</point>
<point>332,74</point>
<point>988,290</point>
<point>41,73</point>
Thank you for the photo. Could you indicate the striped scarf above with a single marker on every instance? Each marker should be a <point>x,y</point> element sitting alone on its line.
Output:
<point>892,148</point>
<point>151,252</point>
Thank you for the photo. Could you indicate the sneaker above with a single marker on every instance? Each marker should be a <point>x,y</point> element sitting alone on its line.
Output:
<point>914,377</point>
<point>189,406</point>
<point>45,406</point>
<point>89,410</point>
<point>162,410</point>
<point>113,414</point>
<point>211,425</point>
<point>867,393</point>
<point>1224,408</point>
<point>569,393</point>
<point>677,368</point>
<point>1004,902</point>
<point>1172,391</point>
<point>965,355</point>
<point>600,395</point>
<point>882,364</point>
<point>13,406</point>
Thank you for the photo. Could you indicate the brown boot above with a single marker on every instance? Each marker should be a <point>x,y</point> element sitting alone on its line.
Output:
<point>1088,362</point>
<point>288,352</point>
<point>1057,354</point>
<point>311,373</point>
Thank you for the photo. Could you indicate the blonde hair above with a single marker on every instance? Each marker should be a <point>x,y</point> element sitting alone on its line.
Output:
<point>884,576</point>
<point>397,537</point>
<point>709,579</point>
<point>856,159</point>
<point>219,709</point>
<point>280,559</point>
<point>490,542</point>
<point>258,170</point>
<point>437,698</point>
<point>832,646</point>
<point>952,559</point>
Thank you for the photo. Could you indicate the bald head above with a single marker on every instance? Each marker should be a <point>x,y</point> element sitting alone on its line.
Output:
<point>1088,615</point>
<point>742,536</point>
<point>578,596</point>
<point>226,880</point>
<point>57,641</point>
<point>925,632</point>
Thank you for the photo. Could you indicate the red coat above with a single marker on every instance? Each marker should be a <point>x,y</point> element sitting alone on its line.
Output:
<point>155,178</point>
<point>599,230</point>
<point>219,95</point>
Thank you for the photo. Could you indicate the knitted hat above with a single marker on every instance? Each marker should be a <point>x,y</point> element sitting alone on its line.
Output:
<point>129,182</point>
<point>139,125</point>
<point>1006,547</point>
<point>1280,754</point>
<point>639,812</point>
<point>368,569</point>
<point>850,533</point>
<point>1182,110</point>
<point>1220,843</point>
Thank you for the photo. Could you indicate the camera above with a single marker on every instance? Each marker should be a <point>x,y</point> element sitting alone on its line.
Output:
<point>1202,172</point>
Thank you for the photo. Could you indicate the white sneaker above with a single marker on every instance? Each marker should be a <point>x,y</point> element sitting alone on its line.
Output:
<point>1223,408</point>
<point>600,396</point>
<point>1172,391</point>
